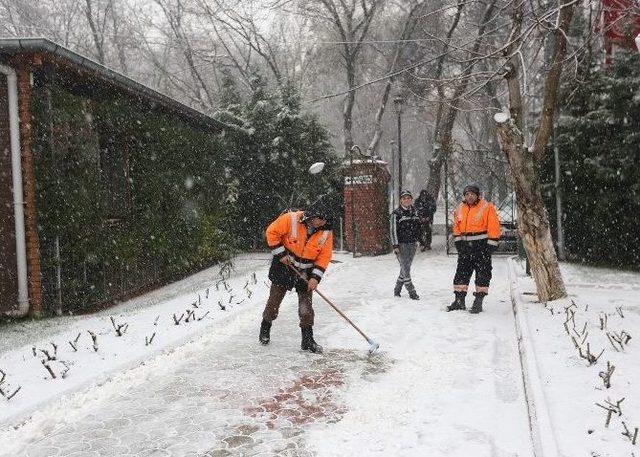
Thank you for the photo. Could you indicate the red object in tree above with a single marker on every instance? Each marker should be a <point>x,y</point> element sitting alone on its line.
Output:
<point>620,24</point>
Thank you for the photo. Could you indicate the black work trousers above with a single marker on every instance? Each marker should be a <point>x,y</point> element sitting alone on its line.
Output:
<point>473,259</point>
<point>425,234</point>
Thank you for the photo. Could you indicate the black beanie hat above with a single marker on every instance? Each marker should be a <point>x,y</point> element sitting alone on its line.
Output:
<point>318,209</point>
<point>473,188</point>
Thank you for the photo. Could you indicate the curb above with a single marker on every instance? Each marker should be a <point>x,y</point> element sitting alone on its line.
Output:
<point>545,443</point>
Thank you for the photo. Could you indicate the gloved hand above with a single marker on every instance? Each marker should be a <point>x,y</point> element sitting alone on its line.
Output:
<point>491,248</point>
<point>285,260</point>
<point>459,246</point>
<point>312,284</point>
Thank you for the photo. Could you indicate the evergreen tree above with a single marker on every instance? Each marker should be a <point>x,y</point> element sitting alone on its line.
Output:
<point>268,165</point>
<point>599,139</point>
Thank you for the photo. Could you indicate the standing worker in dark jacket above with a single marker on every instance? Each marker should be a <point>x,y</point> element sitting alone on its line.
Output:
<point>476,232</point>
<point>405,233</point>
<point>426,206</point>
<point>301,242</point>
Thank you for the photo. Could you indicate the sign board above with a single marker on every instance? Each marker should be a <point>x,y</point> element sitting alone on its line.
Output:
<point>364,179</point>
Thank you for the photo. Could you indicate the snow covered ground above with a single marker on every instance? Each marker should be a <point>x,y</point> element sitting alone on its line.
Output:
<point>442,384</point>
<point>203,294</point>
<point>601,302</point>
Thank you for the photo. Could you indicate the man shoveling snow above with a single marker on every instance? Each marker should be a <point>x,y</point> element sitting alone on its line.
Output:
<point>301,242</point>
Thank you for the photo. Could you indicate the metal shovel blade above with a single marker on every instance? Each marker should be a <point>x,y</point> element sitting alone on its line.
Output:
<point>373,346</point>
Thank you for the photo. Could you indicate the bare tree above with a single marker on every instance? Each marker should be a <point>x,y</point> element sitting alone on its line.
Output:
<point>253,36</point>
<point>448,107</point>
<point>175,12</point>
<point>254,40</point>
<point>119,32</point>
<point>97,19</point>
<point>58,20</point>
<point>525,161</point>
<point>407,31</point>
<point>19,18</point>
<point>351,19</point>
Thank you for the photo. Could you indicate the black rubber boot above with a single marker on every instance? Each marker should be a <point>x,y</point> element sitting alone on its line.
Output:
<point>397,289</point>
<point>413,295</point>
<point>308,343</point>
<point>458,303</point>
<point>265,329</point>
<point>477,302</point>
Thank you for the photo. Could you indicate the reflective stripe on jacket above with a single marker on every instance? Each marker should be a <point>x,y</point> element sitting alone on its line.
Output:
<point>477,222</point>
<point>289,235</point>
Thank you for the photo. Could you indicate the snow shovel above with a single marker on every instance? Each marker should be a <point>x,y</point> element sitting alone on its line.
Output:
<point>373,346</point>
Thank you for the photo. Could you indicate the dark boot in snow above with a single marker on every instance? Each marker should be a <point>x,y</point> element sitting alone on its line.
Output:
<point>413,295</point>
<point>265,329</point>
<point>397,289</point>
<point>308,343</point>
<point>477,302</point>
<point>458,303</point>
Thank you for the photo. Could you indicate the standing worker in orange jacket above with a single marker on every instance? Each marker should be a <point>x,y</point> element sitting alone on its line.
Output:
<point>299,241</point>
<point>476,232</point>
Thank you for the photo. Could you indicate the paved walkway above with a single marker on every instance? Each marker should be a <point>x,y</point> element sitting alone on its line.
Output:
<point>443,384</point>
<point>214,403</point>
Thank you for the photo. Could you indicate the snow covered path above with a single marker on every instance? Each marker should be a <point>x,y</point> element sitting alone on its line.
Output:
<point>443,384</point>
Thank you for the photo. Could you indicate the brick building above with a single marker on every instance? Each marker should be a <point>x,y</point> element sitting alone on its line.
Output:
<point>28,65</point>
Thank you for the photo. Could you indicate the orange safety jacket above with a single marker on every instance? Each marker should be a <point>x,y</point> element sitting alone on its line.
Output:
<point>288,235</point>
<point>477,222</point>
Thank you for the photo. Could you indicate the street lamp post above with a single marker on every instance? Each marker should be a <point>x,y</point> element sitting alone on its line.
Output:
<point>397,103</point>
<point>353,197</point>
<point>393,174</point>
<point>558,188</point>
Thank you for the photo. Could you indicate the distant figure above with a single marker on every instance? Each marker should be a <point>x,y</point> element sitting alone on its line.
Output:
<point>405,233</point>
<point>426,206</point>
<point>476,232</point>
<point>301,242</point>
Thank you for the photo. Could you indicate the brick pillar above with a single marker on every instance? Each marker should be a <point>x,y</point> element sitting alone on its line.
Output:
<point>370,197</point>
<point>28,178</point>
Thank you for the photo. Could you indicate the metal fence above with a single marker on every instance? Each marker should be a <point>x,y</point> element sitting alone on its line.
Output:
<point>490,171</point>
<point>76,286</point>
<point>90,283</point>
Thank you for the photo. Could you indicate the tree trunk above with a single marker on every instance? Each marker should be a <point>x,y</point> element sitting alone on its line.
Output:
<point>441,151</point>
<point>533,220</point>
<point>347,110</point>
<point>98,35</point>
<point>441,137</point>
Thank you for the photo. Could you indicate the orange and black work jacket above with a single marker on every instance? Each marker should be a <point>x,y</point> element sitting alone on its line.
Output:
<point>476,225</point>
<point>288,235</point>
